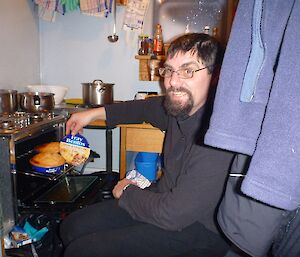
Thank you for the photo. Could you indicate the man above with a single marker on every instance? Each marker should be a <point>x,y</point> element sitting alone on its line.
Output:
<point>175,216</point>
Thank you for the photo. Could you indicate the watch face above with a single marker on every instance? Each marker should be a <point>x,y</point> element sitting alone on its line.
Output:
<point>75,149</point>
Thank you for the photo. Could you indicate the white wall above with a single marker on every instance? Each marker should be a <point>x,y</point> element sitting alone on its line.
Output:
<point>75,49</point>
<point>19,44</point>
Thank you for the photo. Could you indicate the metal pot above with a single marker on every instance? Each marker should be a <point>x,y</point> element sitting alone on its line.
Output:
<point>8,101</point>
<point>97,93</point>
<point>36,102</point>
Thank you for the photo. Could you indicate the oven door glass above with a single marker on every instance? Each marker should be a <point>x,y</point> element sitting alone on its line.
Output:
<point>67,190</point>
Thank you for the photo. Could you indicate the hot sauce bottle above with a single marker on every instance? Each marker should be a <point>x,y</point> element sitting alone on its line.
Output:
<point>158,43</point>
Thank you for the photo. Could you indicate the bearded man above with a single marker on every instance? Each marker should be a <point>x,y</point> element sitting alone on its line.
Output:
<point>176,215</point>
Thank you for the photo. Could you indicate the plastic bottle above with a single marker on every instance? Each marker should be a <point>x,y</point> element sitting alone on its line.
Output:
<point>158,43</point>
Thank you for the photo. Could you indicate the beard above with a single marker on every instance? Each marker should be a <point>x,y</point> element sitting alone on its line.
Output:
<point>178,108</point>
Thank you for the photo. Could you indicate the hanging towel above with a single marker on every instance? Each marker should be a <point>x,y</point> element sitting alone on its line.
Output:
<point>99,8</point>
<point>274,173</point>
<point>134,20</point>
<point>236,125</point>
<point>70,5</point>
<point>47,9</point>
<point>135,14</point>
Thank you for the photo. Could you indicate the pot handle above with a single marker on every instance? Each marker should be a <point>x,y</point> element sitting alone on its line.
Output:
<point>98,81</point>
<point>36,100</point>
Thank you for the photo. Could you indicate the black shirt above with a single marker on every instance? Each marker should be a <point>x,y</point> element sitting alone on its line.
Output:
<point>193,176</point>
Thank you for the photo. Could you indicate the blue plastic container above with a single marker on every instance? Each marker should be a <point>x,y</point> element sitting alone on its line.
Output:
<point>146,164</point>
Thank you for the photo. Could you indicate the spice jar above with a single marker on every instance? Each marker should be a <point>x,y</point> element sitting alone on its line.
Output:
<point>143,45</point>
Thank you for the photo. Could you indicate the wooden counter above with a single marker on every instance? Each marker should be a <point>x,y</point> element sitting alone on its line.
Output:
<point>100,123</point>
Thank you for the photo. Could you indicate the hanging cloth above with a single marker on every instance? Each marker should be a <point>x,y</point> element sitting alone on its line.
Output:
<point>47,9</point>
<point>134,19</point>
<point>70,5</point>
<point>98,8</point>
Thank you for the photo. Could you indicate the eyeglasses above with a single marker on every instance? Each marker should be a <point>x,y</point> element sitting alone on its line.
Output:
<point>183,73</point>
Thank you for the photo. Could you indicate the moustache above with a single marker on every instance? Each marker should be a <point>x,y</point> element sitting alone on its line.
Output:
<point>180,89</point>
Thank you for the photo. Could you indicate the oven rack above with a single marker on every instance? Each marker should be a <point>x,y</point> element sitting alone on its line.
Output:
<point>27,170</point>
<point>48,176</point>
<point>26,155</point>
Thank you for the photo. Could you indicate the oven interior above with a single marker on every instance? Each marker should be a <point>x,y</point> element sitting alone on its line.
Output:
<point>63,191</point>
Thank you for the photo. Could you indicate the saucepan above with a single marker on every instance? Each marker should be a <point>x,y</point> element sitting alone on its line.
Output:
<point>8,101</point>
<point>35,102</point>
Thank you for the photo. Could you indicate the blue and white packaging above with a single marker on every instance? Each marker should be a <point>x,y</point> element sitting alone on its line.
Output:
<point>75,149</point>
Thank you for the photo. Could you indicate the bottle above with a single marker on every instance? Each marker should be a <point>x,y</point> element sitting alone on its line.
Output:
<point>153,67</point>
<point>215,32</point>
<point>140,44</point>
<point>158,43</point>
<point>150,46</point>
<point>143,44</point>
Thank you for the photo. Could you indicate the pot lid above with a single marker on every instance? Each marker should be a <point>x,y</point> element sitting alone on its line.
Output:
<point>98,82</point>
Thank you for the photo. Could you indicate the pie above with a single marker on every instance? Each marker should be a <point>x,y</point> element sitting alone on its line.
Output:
<point>52,147</point>
<point>47,160</point>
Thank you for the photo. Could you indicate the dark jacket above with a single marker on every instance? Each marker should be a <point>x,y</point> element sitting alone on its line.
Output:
<point>193,175</point>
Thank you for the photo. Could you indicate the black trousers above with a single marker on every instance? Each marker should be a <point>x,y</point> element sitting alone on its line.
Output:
<point>104,229</point>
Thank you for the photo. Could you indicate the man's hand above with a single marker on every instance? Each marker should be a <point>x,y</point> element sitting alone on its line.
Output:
<point>119,187</point>
<point>80,119</point>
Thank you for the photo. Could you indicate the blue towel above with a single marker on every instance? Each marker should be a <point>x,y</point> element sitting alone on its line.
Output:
<point>274,173</point>
<point>236,125</point>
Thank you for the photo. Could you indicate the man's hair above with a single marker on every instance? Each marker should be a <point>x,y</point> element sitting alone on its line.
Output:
<point>205,46</point>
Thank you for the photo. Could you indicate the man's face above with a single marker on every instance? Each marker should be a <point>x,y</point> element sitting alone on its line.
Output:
<point>186,96</point>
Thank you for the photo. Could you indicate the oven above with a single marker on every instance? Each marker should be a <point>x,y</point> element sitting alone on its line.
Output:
<point>24,191</point>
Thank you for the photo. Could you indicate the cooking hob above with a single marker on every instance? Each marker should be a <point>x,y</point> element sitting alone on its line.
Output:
<point>14,123</point>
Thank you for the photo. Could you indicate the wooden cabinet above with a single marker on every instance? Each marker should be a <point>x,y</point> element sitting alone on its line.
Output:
<point>138,138</point>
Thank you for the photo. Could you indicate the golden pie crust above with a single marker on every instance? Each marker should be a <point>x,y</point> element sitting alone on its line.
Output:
<point>47,160</point>
<point>52,147</point>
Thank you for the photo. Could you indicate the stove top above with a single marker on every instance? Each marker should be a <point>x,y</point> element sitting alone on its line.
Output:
<point>15,122</point>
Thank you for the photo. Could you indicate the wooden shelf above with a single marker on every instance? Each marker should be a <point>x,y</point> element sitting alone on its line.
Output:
<point>144,69</point>
<point>148,57</point>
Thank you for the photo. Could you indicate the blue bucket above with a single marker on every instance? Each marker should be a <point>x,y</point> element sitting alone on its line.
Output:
<point>146,164</point>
